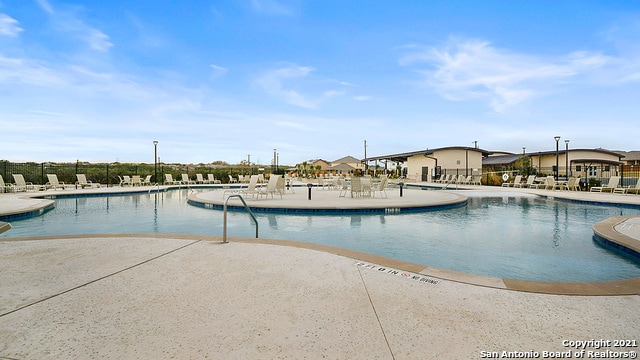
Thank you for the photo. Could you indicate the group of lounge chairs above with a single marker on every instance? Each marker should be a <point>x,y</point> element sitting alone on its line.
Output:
<point>573,184</point>
<point>185,180</point>
<point>256,189</point>
<point>53,183</point>
<point>459,179</point>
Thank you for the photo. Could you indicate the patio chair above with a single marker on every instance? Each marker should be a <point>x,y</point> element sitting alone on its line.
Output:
<point>201,180</point>
<point>186,180</point>
<point>477,180</point>
<point>54,183</point>
<point>147,180</point>
<point>356,187</point>
<point>170,181</point>
<point>573,184</point>
<point>5,187</point>
<point>380,187</point>
<point>249,190</point>
<point>83,182</point>
<point>611,185</point>
<point>552,184</point>
<point>517,180</point>
<point>21,185</point>
<point>271,188</point>
<point>232,180</point>
<point>441,179</point>
<point>629,189</point>
<point>136,180</point>
<point>212,179</point>
<point>530,181</point>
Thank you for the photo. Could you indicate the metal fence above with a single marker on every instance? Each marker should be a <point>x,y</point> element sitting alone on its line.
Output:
<point>110,173</point>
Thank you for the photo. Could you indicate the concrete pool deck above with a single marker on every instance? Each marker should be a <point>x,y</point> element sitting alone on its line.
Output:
<point>186,296</point>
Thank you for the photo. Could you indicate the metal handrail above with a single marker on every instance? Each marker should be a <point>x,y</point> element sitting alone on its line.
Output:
<point>224,209</point>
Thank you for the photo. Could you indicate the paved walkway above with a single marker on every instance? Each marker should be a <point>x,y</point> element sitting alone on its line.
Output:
<point>157,296</point>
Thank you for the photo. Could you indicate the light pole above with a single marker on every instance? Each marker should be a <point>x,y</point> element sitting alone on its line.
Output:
<point>566,159</point>
<point>155,161</point>
<point>557,138</point>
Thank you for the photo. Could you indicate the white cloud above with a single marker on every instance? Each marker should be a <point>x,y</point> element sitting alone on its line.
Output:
<point>273,83</point>
<point>473,69</point>
<point>9,26</point>
<point>218,70</point>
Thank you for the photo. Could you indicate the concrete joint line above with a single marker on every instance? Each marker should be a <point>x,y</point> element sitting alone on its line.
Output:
<point>375,313</point>
<point>98,279</point>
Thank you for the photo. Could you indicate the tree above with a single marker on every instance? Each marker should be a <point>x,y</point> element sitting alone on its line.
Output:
<point>523,165</point>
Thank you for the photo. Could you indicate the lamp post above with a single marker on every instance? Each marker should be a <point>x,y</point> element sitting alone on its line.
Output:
<point>155,161</point>
<point>566,159</point>
<point>557,138</point>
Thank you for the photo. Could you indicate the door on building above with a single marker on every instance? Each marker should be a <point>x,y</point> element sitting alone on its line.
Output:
<point>425,173</point>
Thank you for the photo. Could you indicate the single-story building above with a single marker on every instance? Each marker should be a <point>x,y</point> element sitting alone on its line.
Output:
<point>430,164</point>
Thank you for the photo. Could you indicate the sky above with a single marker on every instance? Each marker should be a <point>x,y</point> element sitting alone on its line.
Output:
<point>236,80</point>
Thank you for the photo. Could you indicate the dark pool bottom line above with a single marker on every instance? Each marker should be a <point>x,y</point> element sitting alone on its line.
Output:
<point>331,211</point>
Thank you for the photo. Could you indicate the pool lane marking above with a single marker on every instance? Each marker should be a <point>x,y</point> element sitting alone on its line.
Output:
<point>407,275</point>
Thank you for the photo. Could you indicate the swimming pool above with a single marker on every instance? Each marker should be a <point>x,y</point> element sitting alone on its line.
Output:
<point>514,236</point>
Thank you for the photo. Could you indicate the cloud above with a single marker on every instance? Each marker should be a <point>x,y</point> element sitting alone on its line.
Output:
<point>67,20</point>
<point>9,26</point>
<point>273,82</point>
<point>474,69</point>
<point>218,70</point>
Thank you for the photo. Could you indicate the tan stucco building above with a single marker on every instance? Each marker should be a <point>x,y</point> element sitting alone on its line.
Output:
<point>426,165</point>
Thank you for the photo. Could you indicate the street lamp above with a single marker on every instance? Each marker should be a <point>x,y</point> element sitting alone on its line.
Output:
<point>566,159</point>
<point>557,138</point>
<point>155,161</point>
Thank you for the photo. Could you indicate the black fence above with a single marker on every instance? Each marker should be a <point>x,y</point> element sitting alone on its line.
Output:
<point>111,173</point>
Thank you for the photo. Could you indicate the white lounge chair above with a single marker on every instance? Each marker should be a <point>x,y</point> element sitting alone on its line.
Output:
<point>136,180</point>
<point>271,188</point>
<point>249,190</point>
<point>516,181</point>
<point>551,184</point>
<point>21,185</point>
<point>232,180</point>
<point>5,187</point>
<point>530,181</point>
<point>186,180</point>
<point>201,180</point>
<point>628,189</point>
<point>170,181</point>
<point>54,183</point>
<point>212,179</point>
<point>147,180</point>
<point>83,182</point>
<point>380,187</point>
<point>611,185</point>
<point>573,184</point>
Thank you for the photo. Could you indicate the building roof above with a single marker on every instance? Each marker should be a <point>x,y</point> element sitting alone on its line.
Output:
<point>401,157</point>
<point>629,155</point>
<point>500,159</point>
<point>346,159</point>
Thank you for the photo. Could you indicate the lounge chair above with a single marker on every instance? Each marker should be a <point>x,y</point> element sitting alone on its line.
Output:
<point>380,187</point>
<point>54,183</point>
<point>611,185</point>
<point>629,189</point>
<point>147,180</point>
<point>530,181</point>
<point>5,187</point>
<point>21,185</point>
<point>170,180</point>
<point>232,180</point>
<point>573,184</point>
<point>136,180</point>
<point>83,182</point>
<point>515,182</point>
<point>249,190</point>
<point>441,179</point>
<point>186,180</point>
<point>271,188</point>
<point>552,184</point>
<point>212,179</point>
<point>477,180</point>
<point>201,180</point>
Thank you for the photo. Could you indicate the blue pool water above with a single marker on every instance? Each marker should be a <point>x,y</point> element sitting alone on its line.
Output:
<point>521,237</point>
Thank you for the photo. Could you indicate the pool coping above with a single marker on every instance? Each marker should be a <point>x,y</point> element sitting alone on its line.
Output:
<point>604,288</point>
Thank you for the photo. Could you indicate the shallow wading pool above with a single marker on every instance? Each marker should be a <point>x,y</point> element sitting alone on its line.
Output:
<point>520,237</point>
